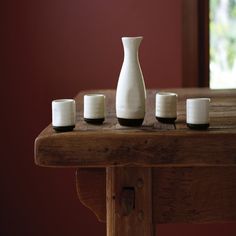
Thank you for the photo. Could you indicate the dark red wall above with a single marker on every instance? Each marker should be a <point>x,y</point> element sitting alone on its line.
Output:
<point>53,49</point>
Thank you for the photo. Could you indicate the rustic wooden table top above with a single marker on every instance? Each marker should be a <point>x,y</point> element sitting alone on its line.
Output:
<point>152,145</point>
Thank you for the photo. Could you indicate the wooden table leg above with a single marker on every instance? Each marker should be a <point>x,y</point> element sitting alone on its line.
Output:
<point>129,201</point>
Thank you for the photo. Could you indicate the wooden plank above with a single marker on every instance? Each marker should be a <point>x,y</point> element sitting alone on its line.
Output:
<point>129,202</point>
<point>150,149</point>
<point>183,195</point>
<point>153,144</point>
<point>194,195</point>
<point>91,190</point>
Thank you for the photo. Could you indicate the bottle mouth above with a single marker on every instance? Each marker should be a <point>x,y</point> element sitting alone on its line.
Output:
<point>132,38</point>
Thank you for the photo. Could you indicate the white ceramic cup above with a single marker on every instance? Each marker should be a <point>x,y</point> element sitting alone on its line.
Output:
<point>197,111</point>
<point>94,106</point>
<point>63,113</point>
<point>166,105</point>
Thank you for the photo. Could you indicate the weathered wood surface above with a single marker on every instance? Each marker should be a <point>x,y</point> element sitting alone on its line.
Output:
<point>91,190</point>
<point>179,195</point>
<point>201,189</point>
<point>152,145</point>
<point>129,201</point>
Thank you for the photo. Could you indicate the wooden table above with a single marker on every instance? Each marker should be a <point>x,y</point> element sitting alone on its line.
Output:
<point>134,178</point>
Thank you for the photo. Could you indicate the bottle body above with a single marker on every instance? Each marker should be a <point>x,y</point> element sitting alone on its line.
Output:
<point>131,92</point>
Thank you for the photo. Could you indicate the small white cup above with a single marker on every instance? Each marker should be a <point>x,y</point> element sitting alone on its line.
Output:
<point>197,112</point>
<point>63,114</point>
<point>94,108</point>
<point>166,107</point>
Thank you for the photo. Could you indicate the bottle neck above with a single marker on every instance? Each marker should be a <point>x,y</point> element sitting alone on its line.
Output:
<point>131,55</point>
<point>131,47</point>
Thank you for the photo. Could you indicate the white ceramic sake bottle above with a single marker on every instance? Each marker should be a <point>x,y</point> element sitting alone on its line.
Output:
<point>131,92</point>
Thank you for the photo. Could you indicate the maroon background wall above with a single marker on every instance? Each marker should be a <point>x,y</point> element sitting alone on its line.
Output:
<point>53,49</point>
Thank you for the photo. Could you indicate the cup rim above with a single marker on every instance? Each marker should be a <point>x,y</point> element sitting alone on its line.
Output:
<point>94,95</point>
<point>63,100</point>
<point>198,99</point>
<point>166,94</point>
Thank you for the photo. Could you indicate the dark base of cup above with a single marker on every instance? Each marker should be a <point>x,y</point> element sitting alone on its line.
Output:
<point>98,121</point>
<point>130,122</point>
<point>166,120</point>
<point>64,128</point>
<point>198,126</point>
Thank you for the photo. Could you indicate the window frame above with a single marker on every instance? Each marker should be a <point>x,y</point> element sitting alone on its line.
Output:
<point>195,43</point>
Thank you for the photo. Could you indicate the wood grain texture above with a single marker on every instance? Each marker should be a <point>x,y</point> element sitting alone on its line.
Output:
<point>129,201</point>
<point>153,145</point>
<point>194,195</point>
<point>91,190</point>
<point>179,195</point>
<point>193,172</point>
